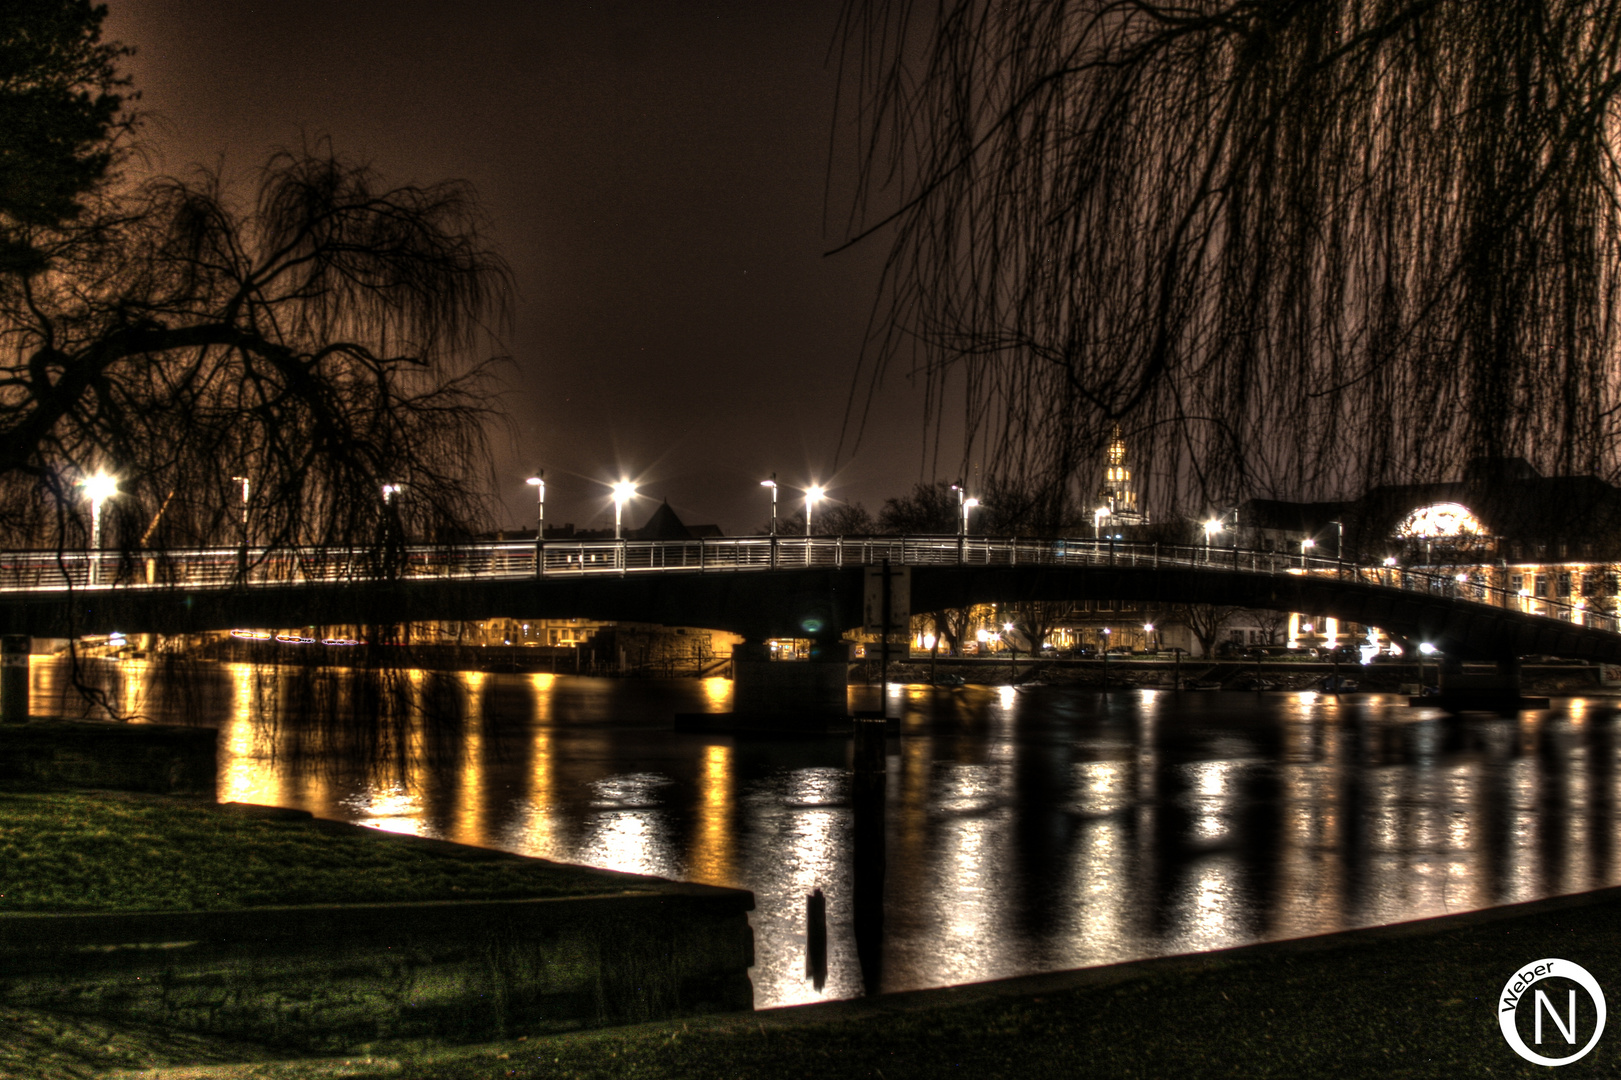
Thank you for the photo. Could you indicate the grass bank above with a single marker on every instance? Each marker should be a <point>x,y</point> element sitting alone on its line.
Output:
<point>81,851</point>
<point>1413,1001</point>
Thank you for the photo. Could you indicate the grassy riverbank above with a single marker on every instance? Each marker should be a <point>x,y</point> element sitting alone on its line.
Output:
<point>1413,1001</point>
<point>81,851</point>
<point>1410,1001</point>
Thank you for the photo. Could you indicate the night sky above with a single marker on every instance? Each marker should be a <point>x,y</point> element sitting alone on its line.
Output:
<point>656,175</point>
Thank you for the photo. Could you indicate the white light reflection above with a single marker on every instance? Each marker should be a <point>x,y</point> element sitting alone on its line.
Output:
<point>802,820</point>
<point>628,830</point>
<point>974,850</point>
<point>1206,908</point>
<point>1212,796</point>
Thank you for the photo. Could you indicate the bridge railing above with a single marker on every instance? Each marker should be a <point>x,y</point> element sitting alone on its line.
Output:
<point>52,571</point>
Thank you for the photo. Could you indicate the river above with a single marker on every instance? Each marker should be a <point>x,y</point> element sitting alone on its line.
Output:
<point>1021,831</point>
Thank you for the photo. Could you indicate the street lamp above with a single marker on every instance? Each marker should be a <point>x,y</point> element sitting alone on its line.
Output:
<point>967,508</point>
<point>1211,528</point>
<point>538,482</point>
<point>813,495</point>
<point>98,489</point>
<point>623,492</point>
<point>1306,545</point>
<point>1424,649</point>
<point>1148,635</point>
<point>391,490</point>
<point>1097,520</point>
<point>772,484</point>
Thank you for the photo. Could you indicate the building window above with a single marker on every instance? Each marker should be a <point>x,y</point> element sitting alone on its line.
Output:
<point>1516,582</point>
<point>1542,585</point>
<point>1564,584</point>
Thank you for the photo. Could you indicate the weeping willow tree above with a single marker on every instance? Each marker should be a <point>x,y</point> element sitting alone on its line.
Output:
<point>302,361</point>
<point>253,374</point>
<point>1294,247</point>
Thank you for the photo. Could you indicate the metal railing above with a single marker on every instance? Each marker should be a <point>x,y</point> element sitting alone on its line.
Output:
<point>39,572</point>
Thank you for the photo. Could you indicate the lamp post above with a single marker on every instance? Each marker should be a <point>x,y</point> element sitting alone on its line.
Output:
<point>623,492</point>
<point>813,495</point>
<point>772,484</point>
<point>538,482</point>
<point>1097,521</point>
<point>1211,528</point>
<point>1306,545</point>
<point>1424,649</point>
<point>98,489</point>
<point>967,508</point>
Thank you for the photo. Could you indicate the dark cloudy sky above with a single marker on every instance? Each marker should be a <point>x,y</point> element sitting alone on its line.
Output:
<point>656,175</point>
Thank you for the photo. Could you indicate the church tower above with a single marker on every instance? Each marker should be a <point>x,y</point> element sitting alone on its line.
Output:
<point>1117,493</point>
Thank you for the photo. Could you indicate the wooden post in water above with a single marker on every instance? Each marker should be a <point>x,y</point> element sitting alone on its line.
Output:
<point>816,939</point>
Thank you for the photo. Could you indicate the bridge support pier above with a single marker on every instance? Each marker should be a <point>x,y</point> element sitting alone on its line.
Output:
<point>1497,691</point>
<point>14,650</point>
<point>783,695</point>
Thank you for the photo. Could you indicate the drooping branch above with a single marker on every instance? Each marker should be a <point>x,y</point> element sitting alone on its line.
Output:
<point>1293,248</point>
<point>321,344</point>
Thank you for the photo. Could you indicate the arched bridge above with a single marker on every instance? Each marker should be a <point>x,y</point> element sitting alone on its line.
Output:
<point>759,587</point>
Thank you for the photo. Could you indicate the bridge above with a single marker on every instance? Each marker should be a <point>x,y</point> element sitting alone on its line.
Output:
<point>759,587</point>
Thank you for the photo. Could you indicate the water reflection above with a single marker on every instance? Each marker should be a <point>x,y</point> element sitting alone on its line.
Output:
<point>1015,831</point>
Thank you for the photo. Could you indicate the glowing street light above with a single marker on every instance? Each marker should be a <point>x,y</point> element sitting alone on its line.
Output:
<point>623,492</point>
<point>813,495</point>
<point>1097,519</point>
<point>391,490</point>
<point>1306,545</point>
<point>98,489</point>
<point>772,484</point>
<point>968,506</point>
<point>538,482</point>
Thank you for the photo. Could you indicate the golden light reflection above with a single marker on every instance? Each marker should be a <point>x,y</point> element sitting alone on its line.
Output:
<point>713,859</point>
<point>534,828</point>
<point>467,827</point>
<point>247,773</point>
<point>717,694</point>
<point>394,810</point>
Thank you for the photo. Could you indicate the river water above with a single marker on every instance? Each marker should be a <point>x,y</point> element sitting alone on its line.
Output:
<point>1019,831</point>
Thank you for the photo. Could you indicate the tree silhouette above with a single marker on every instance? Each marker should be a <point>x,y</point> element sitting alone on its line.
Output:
<point>1292,248</point>
<point>319,342</point>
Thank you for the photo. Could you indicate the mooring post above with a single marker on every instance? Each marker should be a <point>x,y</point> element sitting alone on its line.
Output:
<point>816,939</point>
<point>14,679</point>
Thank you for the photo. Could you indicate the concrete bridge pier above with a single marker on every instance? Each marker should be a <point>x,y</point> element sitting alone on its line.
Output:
<point>1497,691</point>
<point>783,695</point>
